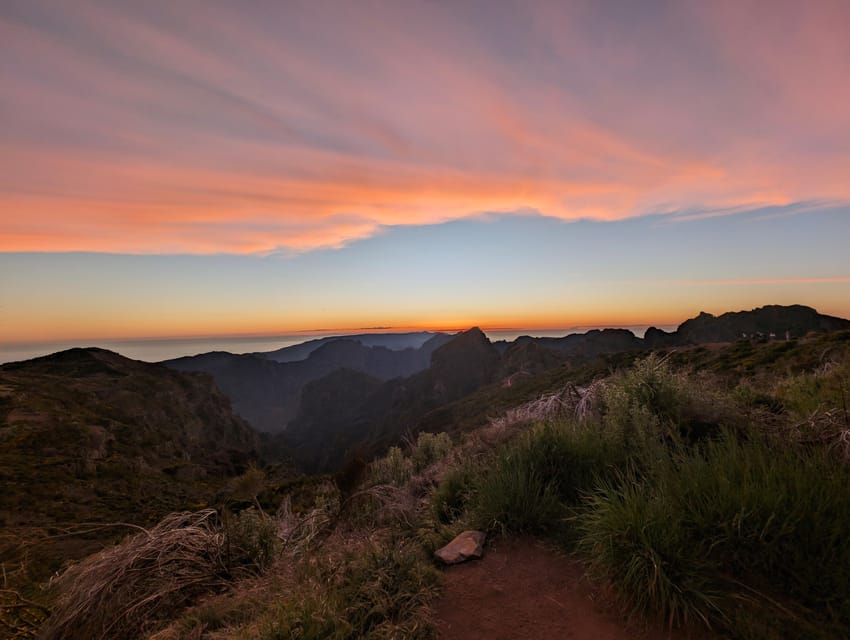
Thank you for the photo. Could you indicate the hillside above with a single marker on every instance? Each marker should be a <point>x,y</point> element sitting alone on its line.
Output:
<point>470,378</point>
<point>88,436</point>
<point>324,415</point>
<point>701,488</point>
<point>580,451</point>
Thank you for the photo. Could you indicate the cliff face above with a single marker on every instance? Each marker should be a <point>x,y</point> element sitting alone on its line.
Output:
<point>267,393</point>
<point>349,412</point>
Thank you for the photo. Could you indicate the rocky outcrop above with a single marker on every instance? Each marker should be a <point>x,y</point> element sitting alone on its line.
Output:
<point>772,321</point>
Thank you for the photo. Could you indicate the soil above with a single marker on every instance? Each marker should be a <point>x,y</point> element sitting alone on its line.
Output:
<point>523,589</point>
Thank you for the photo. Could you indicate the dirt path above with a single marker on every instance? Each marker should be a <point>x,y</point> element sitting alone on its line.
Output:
<point>522,589</point>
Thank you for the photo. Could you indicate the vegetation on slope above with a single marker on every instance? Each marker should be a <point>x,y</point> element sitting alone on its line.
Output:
<point>427,388</point>
<point>695,504</point>
<point>705,488</point>
<point>92,445</point>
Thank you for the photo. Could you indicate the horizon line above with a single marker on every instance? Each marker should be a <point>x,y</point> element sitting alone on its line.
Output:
<point>327,333</point>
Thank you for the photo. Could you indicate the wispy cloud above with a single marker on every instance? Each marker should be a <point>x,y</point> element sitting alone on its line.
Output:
<point>283,127</point>
<point>756,212</point>
<point>748,282</point>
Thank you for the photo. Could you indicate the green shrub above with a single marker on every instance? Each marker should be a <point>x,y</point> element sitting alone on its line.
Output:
<point>252,539</point>
<point>630,540</point>
<point>394,468</point>
<point>732,520</point>
<point>778,516</point>
<point>650,401</point>
<point>827,387</point>
<point>430,448</point>
<point>450,497</point>
<point>535,482</point>
<point>514,495</point>
<point>574,456</point>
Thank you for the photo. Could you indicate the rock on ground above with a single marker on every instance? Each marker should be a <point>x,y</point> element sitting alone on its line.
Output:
<point>467,545</point>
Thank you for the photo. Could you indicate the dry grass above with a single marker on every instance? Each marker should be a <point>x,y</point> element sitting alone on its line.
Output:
<point>129,589</point>
<point>571,401</point>
<point>300,531</point>
<point>827,427</point>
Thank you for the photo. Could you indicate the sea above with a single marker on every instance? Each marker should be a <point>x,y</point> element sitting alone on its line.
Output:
<point>156,350</point>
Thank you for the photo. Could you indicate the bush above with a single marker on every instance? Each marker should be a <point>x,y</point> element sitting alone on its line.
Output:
<point>575,456</point>
<point>629,540</point>
<point>537,481</point>
<point>394,468</point>
<point>450,497</point>
<point>735,519</point>
<point>516,494</point>
<point>252,539</point>
<point>430,448</point>
<point>649,401</point>
<point>825,388</point>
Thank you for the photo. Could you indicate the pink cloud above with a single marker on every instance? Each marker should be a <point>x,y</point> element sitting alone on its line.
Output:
<point>307,126</point>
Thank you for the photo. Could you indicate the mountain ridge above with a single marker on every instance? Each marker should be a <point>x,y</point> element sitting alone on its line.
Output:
<point>270,394</point>
<point>267,393</point>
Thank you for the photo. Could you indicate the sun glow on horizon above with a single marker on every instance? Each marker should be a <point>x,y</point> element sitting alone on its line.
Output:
<point>265,168</point>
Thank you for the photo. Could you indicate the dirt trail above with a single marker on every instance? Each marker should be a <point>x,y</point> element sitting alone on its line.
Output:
<point>522,589</point>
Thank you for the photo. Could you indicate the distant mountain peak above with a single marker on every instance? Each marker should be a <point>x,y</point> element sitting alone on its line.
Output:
<point>770,320</point>
<point>473,333</point>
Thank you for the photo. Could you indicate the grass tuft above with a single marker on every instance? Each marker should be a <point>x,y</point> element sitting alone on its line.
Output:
<point>128,590</point>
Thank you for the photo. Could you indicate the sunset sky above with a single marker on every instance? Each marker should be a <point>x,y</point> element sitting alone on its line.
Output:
<point>209,167</point>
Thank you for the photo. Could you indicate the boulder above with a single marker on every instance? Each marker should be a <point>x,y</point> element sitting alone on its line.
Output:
<point>469,544</point>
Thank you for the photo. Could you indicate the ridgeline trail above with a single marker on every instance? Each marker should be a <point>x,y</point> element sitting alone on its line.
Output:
<point>522,588</point>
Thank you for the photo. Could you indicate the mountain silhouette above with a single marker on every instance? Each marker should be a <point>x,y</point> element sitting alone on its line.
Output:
<point>345,394</point>
<point>394,341</point>
<point>267,393</point>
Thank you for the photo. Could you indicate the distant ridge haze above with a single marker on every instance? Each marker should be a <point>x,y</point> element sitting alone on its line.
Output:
<point>158,349</point>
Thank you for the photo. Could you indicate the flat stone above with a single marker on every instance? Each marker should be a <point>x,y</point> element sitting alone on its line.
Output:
<point>467,545</point>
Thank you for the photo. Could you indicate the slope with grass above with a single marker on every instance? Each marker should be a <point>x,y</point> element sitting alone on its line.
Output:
<point>91,442</point>
<point>702,488</point>
<point>87,433</point>
<point>424,388</point>
<point>739,524</point>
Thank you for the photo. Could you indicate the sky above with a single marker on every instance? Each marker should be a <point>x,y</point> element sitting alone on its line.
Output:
<point>210,167</point>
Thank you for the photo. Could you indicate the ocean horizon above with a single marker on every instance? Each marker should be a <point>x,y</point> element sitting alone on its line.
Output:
<point>159,349</point>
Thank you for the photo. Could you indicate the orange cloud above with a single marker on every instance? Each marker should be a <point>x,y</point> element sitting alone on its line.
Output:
<point>299,127</point>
